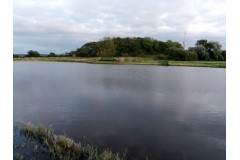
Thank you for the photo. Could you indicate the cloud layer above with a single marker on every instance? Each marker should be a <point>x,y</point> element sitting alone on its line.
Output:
<point>64,25</point>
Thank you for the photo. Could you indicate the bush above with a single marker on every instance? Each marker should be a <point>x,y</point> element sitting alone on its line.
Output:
<point>191,56</point>
<point>176,54</point>
<point>180,54</point>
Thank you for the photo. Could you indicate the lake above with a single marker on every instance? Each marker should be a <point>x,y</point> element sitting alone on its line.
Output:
<point>158,112</point>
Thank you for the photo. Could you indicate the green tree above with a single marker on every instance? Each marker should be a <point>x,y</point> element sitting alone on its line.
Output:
<point>191,56</point>
<point>32,53</point>
<point>201,52</point>
<point>176,54</point>
<point>214,50</point>
<point>51,54</point>
<point>208,50</point>
<point>180,54</point>
<point>147,45</point>
<point>223,55</point>
<point>160,47</point>
<point>172,44</point>
<point>106,47</point>
<point>201,42</point>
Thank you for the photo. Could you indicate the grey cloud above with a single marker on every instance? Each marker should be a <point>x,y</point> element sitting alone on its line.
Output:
<point>61,25</point>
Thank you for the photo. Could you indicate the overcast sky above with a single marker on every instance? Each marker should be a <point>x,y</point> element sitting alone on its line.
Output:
<point>64,25</point>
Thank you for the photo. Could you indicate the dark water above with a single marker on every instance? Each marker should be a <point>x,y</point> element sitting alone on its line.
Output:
<point>154,111</point>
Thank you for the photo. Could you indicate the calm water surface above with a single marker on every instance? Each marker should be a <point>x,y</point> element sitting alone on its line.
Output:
<point>154,111</point>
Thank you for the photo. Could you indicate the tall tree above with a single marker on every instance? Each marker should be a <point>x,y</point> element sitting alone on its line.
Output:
<point>201,42</point>
<point>214,50</point>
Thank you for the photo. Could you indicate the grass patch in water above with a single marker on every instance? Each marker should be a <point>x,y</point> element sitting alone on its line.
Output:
<point>61,147</point>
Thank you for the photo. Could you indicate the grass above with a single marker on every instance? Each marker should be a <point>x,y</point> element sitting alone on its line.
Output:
<point>107,59</point>
<point>217,64</point>
<point>147,60</point>
<point>61,147</point>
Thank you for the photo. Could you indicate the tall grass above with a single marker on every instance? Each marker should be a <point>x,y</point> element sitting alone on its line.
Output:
<point>61,147</point>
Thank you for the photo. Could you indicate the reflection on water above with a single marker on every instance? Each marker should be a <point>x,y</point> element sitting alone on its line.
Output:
<point>154,111</point>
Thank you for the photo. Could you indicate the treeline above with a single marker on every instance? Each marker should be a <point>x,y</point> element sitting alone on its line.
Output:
<point>137,46</point>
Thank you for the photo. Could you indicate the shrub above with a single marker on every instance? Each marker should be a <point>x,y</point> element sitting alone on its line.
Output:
<point>180,54</point>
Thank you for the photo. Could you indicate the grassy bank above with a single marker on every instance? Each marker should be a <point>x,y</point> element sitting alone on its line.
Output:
<point>61,147</point>
<point>216,64</point>
<point>127,60</point>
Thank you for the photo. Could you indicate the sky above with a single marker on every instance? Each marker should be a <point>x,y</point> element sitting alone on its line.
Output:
<point>61,26</point>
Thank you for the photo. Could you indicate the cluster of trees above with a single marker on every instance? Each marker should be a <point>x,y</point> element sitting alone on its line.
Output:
<point>32,53</point>
<point>137,46</point>
<point>208,50</point>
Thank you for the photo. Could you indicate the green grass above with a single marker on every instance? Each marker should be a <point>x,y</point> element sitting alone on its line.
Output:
<point>217,64</point>
<point>107,59</point>
<point>61,147</point>
<point>146,60</point>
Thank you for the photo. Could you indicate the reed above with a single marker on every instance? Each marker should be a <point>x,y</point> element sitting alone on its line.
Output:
<point>61,147</point>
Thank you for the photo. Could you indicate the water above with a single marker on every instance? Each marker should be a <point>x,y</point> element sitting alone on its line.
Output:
<point>152,111</point>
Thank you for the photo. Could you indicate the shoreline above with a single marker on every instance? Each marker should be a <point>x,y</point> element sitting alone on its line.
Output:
<point>127,61</point>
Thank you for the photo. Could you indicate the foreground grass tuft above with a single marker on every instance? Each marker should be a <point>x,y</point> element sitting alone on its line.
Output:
<point>61,147</point>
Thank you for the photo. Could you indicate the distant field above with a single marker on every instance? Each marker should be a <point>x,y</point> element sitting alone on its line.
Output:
<point>127,60</point>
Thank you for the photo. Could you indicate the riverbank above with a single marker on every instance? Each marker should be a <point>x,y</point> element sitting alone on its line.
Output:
<point>127,60</point>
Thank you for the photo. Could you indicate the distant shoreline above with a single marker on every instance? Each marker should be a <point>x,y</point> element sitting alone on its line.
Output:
<point>127,61</point>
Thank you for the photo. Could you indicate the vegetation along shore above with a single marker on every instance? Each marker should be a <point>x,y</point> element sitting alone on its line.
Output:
<point>45,143</point>
<point>137,50</point>
<point>127,60</point>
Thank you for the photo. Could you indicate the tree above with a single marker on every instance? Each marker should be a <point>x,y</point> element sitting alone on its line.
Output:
<point>201,42</point>
<point>51,54</point>
<point>147,45</point>
<point>88,50</point>
<point>32,53</point>
<point>160,47</point>
<point>106,47</point>
<point>208,50</point>
<point>201,52</point>
<point>214,50</point>
<point>191,56</point>
<point>223,55</point>
<point>180,54</point>
<point>174,44</point>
